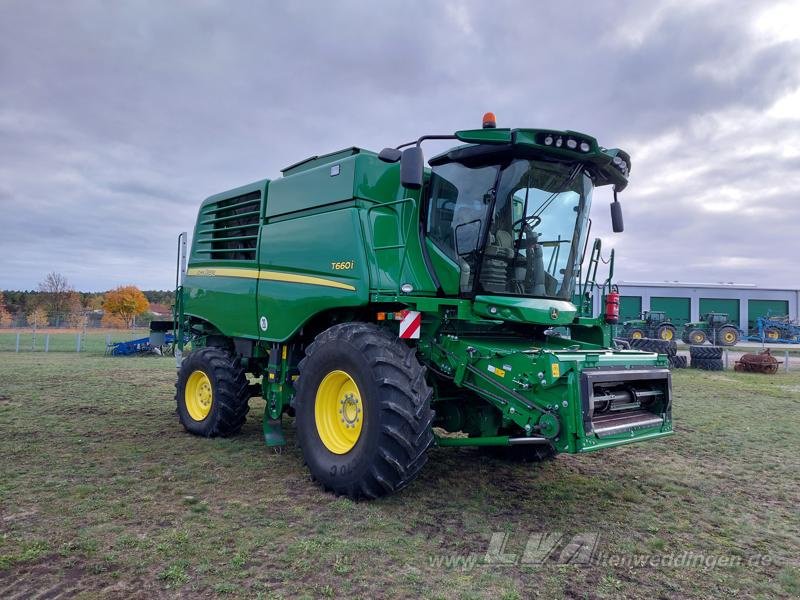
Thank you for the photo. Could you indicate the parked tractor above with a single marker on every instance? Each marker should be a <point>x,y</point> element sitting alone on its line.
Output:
<point>652,324</point>
<point>712,327</point>
<point>388,306</point>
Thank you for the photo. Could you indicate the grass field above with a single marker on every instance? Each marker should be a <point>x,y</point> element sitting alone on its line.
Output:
<point>103,494</point>
<point>65,340</point>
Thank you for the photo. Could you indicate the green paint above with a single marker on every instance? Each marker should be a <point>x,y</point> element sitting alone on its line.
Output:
<point>678,310</point>
<point>630,307</point>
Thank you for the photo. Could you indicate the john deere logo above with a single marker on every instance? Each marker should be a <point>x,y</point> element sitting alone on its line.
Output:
<point>553,313</point>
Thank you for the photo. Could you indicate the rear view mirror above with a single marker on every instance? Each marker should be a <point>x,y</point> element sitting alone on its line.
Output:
<point>412,168</point>
<point>617,225</point>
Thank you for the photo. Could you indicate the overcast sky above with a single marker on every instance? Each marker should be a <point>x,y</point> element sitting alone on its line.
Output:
<point>118,118</point>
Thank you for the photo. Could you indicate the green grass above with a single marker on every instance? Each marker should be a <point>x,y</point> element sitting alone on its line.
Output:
<point>64,340</point>
<point>102,493</point>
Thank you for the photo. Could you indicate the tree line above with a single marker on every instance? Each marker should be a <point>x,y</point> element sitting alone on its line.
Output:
<point>57,303</point>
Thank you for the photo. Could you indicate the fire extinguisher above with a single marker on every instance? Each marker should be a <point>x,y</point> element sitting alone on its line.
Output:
<point>612,306</point>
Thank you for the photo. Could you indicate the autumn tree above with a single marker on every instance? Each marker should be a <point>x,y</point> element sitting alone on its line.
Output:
<point>76,319</point>
<point>112,321</point>
<point>5,315</point>
<point>58,297</point>
<point>37,317</point>
<point>126,302</point>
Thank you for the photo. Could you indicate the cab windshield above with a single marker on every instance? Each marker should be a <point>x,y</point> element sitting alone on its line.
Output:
<point>517,229</point>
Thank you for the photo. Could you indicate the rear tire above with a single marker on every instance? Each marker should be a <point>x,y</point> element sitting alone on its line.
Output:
<point>678,362</point>
<point>212,393</point>
<point>384,380</point>
<point>707,364</point>
<point>704,352</point>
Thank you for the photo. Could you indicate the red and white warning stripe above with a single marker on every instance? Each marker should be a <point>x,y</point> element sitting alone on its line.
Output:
<point>410,325</point>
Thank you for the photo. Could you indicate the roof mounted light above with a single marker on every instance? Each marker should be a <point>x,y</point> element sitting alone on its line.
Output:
<point>489,121</point>
<point>585,147</point>
<point>571,144</point>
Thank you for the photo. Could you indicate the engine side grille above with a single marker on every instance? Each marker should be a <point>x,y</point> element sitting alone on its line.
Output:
<point>228,229</point>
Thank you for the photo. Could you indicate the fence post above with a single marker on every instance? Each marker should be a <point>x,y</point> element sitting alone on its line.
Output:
<point>47,342</point>
<point>78,349</point>
<point>726,359</point>
<point>18,341</point>
<point>786,360</point>
<point>108,340</point>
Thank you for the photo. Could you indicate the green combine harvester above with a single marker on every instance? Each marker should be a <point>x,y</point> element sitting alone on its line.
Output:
<point>389,307</point>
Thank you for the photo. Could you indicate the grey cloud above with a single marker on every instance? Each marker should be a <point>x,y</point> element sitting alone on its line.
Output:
<point>116,119</point>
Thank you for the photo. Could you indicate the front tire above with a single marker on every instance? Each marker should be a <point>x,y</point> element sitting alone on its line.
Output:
<point>666,333</point>
<point>727,336</point>
<point>636,333</point>
<point>212,393</point>
<point>363,411</point>
<point>697,337</point>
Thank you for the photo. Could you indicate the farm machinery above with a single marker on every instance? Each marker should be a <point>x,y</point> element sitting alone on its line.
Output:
<point>154,344</point>
<point>388,306</point>
<point>712,327</point>
<point>763,362</point>
<point>653,324</point>
<point>780,330</point>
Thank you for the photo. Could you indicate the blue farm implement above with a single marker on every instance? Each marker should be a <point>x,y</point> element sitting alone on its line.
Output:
<point>780,330</point>
<point>140,346</point>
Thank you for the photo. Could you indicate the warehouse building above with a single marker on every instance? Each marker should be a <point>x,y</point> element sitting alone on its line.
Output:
<point>684,302</point>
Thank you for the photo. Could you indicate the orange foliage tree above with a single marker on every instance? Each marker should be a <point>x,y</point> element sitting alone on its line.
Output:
<point>126,303</point>
<point>37,317</point>
<point>5,316</point>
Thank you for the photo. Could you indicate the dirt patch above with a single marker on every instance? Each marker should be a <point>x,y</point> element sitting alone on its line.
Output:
<point>55,576</point>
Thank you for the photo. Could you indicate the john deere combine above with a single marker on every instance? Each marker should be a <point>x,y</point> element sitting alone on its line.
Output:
<point>388,306</point>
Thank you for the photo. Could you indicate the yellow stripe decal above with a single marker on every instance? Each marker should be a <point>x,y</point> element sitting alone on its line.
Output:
<point>267,275</point>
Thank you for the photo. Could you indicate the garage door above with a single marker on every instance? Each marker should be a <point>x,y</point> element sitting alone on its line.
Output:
<point>729,306</point>
<point>630,307</point>
<point>678,309</point>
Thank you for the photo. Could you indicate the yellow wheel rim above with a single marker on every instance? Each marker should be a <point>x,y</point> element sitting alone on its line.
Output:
<point>698,338</point>
<point>198,395</point>
<point>729,337</point>
<point>636,335</point>
<point>773,335</point>
<point>666,334</point>
<point>338,412</point>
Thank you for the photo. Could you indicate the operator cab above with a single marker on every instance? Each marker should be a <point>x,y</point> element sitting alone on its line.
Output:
<point>515,223</point>
<point>510,207</point>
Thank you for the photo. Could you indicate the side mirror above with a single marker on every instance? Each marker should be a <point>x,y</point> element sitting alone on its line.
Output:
<point>412,168</point>
<point>617,226</point>
<point>390,155</point>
